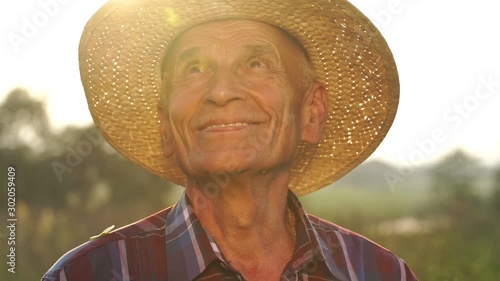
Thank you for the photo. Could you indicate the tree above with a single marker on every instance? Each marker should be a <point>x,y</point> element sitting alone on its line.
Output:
<point>496,190</point>
<point>24,124</point>
<point>454,180</point>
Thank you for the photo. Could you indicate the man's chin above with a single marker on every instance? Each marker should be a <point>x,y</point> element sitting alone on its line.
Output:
<point>220,170</point>
<point>232,162</point>
<point>201,168</point>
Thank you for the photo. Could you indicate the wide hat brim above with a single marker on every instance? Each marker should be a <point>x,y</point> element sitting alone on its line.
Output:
<point>124,43</point>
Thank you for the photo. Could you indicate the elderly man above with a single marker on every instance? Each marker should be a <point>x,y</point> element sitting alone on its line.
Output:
<point>256,100</point>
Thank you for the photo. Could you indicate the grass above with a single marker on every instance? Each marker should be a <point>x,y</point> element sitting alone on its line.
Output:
<point>338,204</point>
<point>467,249</point>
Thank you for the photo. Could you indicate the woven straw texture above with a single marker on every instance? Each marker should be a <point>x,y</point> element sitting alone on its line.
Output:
<point>123,45</point>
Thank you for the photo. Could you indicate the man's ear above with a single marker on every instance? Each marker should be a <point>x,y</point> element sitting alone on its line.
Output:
<point>167,142</point>
<point>314,112</point>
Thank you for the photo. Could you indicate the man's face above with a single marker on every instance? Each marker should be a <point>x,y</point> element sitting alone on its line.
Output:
<point>234,98</point>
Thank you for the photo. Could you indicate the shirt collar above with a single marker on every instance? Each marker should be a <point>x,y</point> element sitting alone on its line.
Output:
<point>190,249</point>
<point>311,247</point>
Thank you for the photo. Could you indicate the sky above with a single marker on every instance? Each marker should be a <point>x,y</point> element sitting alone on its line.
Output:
<point>446,52</point>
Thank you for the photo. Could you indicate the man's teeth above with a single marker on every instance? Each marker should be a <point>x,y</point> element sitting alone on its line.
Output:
<point>227,125</point>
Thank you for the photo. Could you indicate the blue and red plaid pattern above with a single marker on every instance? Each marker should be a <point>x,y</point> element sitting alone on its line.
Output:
<point>173,245</point>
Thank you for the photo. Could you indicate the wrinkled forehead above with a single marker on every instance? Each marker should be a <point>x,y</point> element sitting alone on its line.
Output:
<point>220,28</point>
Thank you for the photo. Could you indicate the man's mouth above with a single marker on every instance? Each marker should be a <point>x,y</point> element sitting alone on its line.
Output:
<point>230,125</point>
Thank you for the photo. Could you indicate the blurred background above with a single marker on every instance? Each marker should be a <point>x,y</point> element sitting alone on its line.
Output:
<point>430,193</point>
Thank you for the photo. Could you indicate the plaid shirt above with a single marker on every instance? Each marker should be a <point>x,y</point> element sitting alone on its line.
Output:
<point>173,245</point>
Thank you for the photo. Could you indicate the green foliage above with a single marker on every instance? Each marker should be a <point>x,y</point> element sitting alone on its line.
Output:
<point>464,251</point>
<point>437,247</point>
<point>496,191</point>
<point>454,181</point>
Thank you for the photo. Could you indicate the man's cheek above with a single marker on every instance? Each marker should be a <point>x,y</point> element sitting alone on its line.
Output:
<point>262,139</point>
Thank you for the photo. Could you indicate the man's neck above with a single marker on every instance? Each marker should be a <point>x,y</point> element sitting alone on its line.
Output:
<point>247,217</point>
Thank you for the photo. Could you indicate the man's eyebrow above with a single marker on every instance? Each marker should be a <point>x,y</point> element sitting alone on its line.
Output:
<point>253,50</point>
<point>187,53</point>
<point>260,49</point>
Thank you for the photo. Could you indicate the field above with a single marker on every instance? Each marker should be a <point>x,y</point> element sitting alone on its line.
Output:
<point>437,245</point>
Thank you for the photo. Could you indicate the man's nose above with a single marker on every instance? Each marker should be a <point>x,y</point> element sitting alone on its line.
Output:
<point>226,86</point>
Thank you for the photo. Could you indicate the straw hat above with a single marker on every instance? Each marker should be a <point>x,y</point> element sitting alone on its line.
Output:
<point>123,44</point>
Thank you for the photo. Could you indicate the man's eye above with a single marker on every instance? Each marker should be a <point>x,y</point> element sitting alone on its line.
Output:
<point>194,69</point>
<point>256,64</point>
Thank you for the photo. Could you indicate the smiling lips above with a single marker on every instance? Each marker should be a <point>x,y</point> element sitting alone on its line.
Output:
<point>224,127</point>
<point>229,123</point>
